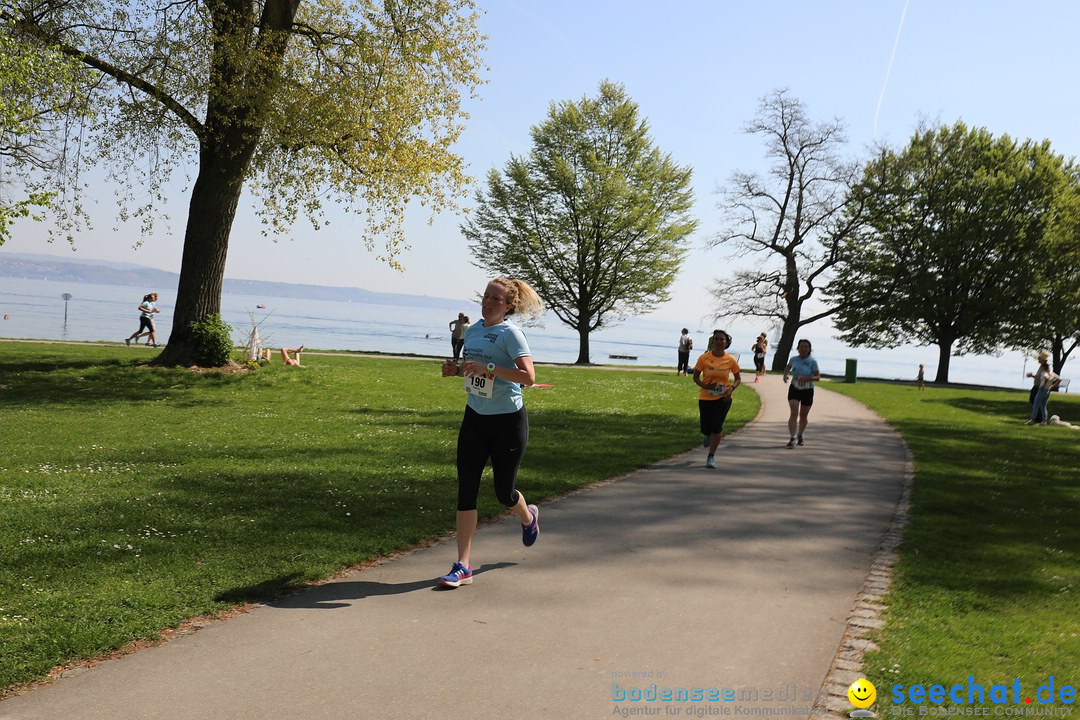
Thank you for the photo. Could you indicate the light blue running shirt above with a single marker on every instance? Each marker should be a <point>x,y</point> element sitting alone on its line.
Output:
<point>805,367</point>
<point>501,344</point>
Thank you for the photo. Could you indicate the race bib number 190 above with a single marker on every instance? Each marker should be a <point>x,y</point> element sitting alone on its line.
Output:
<point>481,385</point>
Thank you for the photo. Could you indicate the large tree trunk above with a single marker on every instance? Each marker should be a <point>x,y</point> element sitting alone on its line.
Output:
<point>206,243</point>
<point>794,313</point>
<point>583,346</point>
<point>234,124</point>
<point>944,355</point>
<point>784,345</point>
<point>1060,353</point>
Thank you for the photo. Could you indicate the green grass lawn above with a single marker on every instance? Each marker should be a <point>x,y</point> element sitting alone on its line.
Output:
<point>134,498</point>
<point>988,582</point>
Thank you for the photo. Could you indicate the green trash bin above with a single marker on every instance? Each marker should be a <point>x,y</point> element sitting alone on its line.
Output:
<point>851,371</point>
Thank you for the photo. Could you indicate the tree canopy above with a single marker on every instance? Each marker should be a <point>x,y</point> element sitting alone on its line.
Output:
<point>595,218</point>
<point>33,86</point>
<point>1050,318</point>
<point>356,102</point>
<point>946,255</point>
<point>793,220</point>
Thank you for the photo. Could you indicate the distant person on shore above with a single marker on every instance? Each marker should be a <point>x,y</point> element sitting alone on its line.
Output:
<point>716,372</point>
<point>686,344</point>
<point>759,348</point>
<point>803,372</point>
<point>457,334</point>
<point>920,379</point>
<point>497,363</point>
<point>147,310</point>
<point>291,356</point>
<point>1045,381</point>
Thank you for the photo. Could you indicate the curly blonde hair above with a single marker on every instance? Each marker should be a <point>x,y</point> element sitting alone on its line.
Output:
<point>521,299</point>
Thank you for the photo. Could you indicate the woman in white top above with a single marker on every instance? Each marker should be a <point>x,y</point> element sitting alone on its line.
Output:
<point>147,310</point>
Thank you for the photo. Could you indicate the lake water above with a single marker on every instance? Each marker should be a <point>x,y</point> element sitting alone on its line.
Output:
<point>34,309</point>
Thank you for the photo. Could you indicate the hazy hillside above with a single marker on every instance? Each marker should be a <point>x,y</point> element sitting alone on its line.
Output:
<point>79,270</point>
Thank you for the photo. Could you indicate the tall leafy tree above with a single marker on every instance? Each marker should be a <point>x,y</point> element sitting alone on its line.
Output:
<point>595,217</point>
<point>33,86</point>
<point>357,101</point>
<point>792,221</point>
<point>953,223</point>
<point>1050,318</point>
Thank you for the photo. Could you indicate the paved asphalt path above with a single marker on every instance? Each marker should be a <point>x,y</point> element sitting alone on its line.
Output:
<point>737,581</point>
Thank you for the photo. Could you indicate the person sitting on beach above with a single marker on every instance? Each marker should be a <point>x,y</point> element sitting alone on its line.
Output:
<point>287,353</point>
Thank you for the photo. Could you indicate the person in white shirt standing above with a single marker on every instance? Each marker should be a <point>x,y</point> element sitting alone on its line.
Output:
<point>686,344</point>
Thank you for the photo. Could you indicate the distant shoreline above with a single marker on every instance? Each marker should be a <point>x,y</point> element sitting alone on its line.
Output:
<point>596,366</point>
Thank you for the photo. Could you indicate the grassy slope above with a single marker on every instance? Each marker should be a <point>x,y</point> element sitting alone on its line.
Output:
<point>989,578</point>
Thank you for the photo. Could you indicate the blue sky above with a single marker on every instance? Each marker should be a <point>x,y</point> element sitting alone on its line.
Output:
<point>697,71</point>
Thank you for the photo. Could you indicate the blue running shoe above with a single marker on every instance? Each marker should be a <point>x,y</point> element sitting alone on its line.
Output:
<point>704,441</point>
<point>459,575</point>
<point>530,532</point>
<point>710,462</point>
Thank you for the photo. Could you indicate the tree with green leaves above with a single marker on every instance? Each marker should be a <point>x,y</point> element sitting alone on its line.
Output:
<point>946,255</point>
<point>1050,318</point>
<point>33,86</point>
<point>793,220</point>
<point>595,218</point>
<point>299,103</point>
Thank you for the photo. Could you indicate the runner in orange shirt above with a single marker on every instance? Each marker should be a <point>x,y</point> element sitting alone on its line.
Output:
<point>717,374</point>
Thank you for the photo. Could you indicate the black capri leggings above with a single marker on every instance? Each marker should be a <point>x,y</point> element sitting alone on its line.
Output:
<point>500,437</point>
<point>712,414</point>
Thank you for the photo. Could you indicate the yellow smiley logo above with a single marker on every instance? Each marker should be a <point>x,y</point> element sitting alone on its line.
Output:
<point>862,693</point>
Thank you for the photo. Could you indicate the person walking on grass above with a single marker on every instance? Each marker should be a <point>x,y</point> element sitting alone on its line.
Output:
<point>496,364</point>
<point>803,373</point>
<point>920,379</point>
<point>717,373</point>
<point>147,310</point>
<point>1045,380</point>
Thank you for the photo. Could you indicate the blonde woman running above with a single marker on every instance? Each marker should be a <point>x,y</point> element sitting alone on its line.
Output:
<point>496,364</point>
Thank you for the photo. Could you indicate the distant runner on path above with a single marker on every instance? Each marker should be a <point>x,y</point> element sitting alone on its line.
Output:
<point>497,363</point>
<point>803,372</point>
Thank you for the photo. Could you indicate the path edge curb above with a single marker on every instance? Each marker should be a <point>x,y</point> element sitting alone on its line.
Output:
<point>865,619</point>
